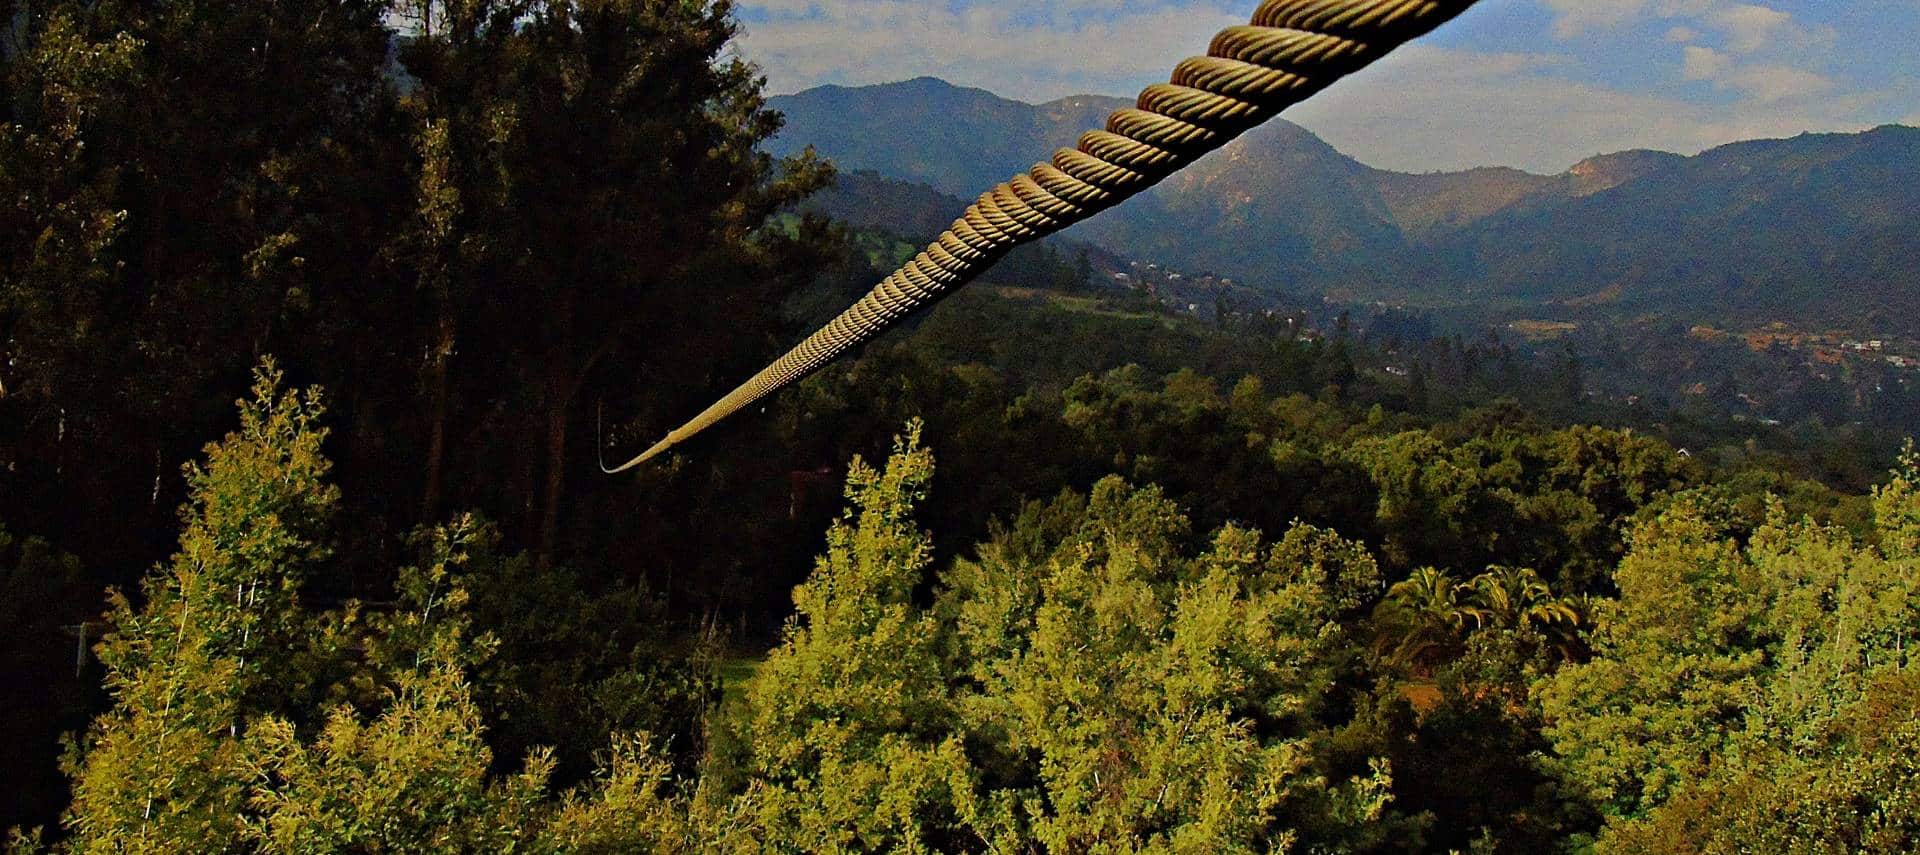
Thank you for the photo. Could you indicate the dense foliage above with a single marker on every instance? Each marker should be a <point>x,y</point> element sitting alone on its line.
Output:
<point>1095,677</point>
<point>1182,584</point>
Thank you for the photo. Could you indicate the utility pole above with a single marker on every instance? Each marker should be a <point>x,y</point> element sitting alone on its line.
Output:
<point>80,632</point>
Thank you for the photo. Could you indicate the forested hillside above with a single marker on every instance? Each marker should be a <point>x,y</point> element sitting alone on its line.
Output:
<point>860,127</point>
<point>1763,280</point>
<point>1812,231</point>
<point>315,316</point>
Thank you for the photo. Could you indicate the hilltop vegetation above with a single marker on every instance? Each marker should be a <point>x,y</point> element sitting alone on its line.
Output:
<point>1093,675</point>
<point>1239,580</point>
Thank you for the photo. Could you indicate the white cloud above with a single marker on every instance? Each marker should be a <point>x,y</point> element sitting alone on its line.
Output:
<point>1763,83</point>
<point>1016,51</point>
<point>1772,62</point>
<point>1424,108</point>
<point>1771,84</point>
<point>1573,17</point>
<point>1744,27</point>
<point>1748,27</point>
<point>1474,109</point>
<point>1703,63</point>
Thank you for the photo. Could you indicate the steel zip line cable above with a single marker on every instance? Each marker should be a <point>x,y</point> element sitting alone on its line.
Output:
<point>1291,50</point>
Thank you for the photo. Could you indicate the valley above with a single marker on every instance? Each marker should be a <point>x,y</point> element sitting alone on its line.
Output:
<point>1816,230</point>
<point>1795,246</point>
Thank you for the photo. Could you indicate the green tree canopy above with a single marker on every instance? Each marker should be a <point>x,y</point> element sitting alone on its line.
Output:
<point>1747,677</point>
<point>1083,686</point>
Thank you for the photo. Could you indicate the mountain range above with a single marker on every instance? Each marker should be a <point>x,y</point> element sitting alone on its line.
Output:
<point>1817,230</point>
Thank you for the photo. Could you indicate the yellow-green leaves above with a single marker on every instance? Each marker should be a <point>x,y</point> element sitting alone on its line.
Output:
<point>1737,697</point>
<point>1084,686</point>
<point>165,770</point>
<point>850,734</point>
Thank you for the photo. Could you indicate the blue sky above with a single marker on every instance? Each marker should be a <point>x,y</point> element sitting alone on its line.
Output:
<point>1538,84</point>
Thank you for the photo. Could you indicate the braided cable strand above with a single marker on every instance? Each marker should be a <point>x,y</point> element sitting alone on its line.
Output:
<point>1291,50</point>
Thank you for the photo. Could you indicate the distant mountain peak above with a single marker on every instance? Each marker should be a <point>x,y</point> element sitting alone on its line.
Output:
<point>924,86</point>
<point>962,139</point>
<point>1081,102</point>
<point>929,83</point>
<point>924,81</point>
<point>1605,172</point>
<point>1819,225</point>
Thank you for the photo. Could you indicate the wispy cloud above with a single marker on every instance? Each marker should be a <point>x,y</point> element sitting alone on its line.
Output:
<point>1573,17</point>
<point>1474,109</point>
<point>1033,53</point>
<point>1704,63</point>
<point>1530,83</point>
<point>1765,84</point>
<point>1748,27</point>
<point>1741,70</point>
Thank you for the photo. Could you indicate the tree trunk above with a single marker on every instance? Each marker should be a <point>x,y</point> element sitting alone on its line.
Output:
<point>559,397</point>
<point>563,383</point>
<point>437,417</point>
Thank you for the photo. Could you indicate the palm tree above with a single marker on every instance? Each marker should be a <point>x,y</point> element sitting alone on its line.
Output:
<point>1516,597</point>
<point>1422,620</point>
<point>1426,618</point>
